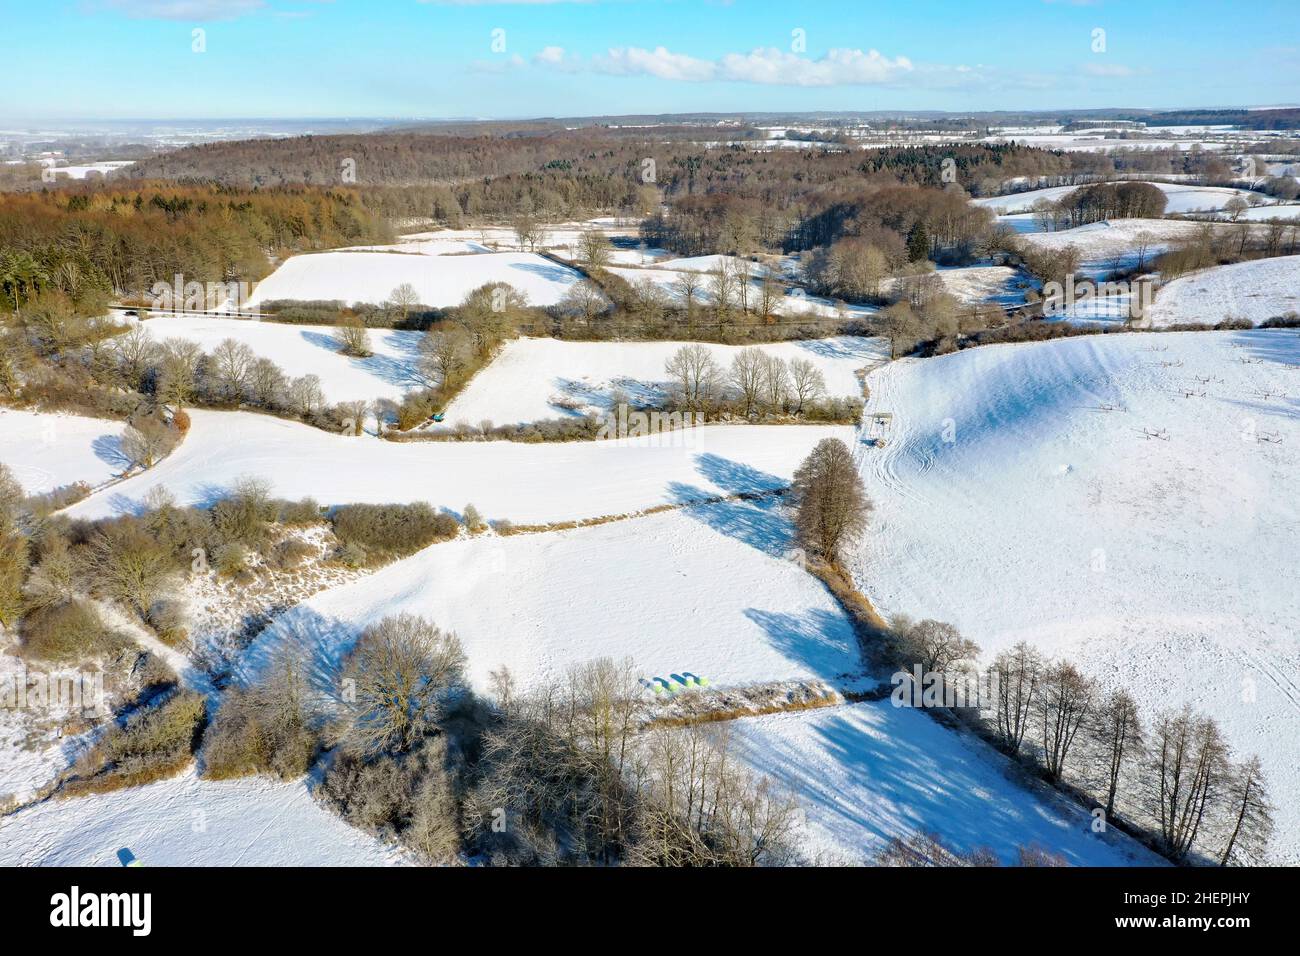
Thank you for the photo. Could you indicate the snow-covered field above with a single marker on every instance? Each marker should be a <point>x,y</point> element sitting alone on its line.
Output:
<point>706,590</point>
<point>791,302</point>
<point>1154,544</point>
<point>529,377</point>
<point>46,450</point>
<point>311,349</point>
<point>522,482</point>
<point>1257,290</point>
<point>1114,243</point>
<point>439,280</point>
<point>1178,198</point>
<point>869,772</point>
<point>186,821</point>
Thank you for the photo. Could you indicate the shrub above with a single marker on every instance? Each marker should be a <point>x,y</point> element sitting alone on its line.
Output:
<point>230,559</point>
<point>167,618</point>
<point>263,729</point>
<point>154,744</point>
<point>392,530</point>
<point>289,554</point>
<point>299,513</point>
<point>64,632</point>
<point>244,515</point>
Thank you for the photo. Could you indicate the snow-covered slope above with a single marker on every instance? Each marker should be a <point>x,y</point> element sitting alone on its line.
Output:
<point>522,482</point>
<point>189,822</point>
<point>1010,503</point>
<point>1178,198</point>
<point>1115,243</point>
<point>45,450</point>
<point>705,589</point>
<point>529,376</point>
<point>1257,290</point>
<point>439,280</point>
<point>869,772</point>
<point>310,349</point>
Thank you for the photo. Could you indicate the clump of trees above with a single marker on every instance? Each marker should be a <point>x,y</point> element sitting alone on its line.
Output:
<point>757,384</point>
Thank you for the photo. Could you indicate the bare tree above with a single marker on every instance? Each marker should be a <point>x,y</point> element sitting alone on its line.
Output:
<point>352,337</point>
<point>231,361</point>
<point>806,383</point>
<point>775,386</point>
<point>1189,762</point>
<point>593,249</point>
<point>747,376</point>
<point>584,301</point>
<point>1118,728</point>
<point>404,298</point>
<point>445,356</point>
<point>688,287</point>
<point>136,350</point>
<point>832,504</point>
<point>305,394</point>
<point>695,376</point>
<point>266,383</point>
<point>1018,673</point>
<point>148,439</point>
<point>935,645</point>
<point>1064,705</point>
<point>1252,815</point>
<point>397,679</point>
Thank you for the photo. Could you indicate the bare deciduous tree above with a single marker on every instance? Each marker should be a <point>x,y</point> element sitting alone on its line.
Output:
<point>695,376</point>
<point>806,383</point>
<point>1118,728</point>
<point>1018,673</point>
<point>1064,706</point>
<point>832,504</point>
<point>401,671</point>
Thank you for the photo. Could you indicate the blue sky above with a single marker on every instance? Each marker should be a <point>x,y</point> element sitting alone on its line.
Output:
<point>73,59</point>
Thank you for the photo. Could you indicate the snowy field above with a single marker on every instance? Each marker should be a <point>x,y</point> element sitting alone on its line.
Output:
<point>46,450</point>
<point>311,350</point>
<point>439,280</point>
<point>529,378</point>
<point>1163,563</point>
<point>526,483</point>
<point>706,590</point>
<point>868,772</point>
<point>791,302</point>
<point>1114,243</point>
<point>1257,290</point>
<point>1178,198</point>
<point>186,821</point>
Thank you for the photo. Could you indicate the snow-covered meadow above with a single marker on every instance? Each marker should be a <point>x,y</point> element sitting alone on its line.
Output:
<point>1179,198</point>
<point>186,821</point>
<point>1124,500</point>
<point>439,280</point>
<point>299,350</point>
<point>47,450</point>
<point>527,483</point>
<point>1257,290</point>
<point>706,589</point>
<point>533,379</point>
<point>870,772</point>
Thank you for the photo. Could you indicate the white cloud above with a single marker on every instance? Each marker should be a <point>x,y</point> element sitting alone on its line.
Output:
<point>766,66</point>
<point>839,67</point>
<point>1108,69</point>
<point>191,10</point>
<point>660,62</point>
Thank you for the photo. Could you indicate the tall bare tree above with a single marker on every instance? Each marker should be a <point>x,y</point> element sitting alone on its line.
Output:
<point>832,504</point>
